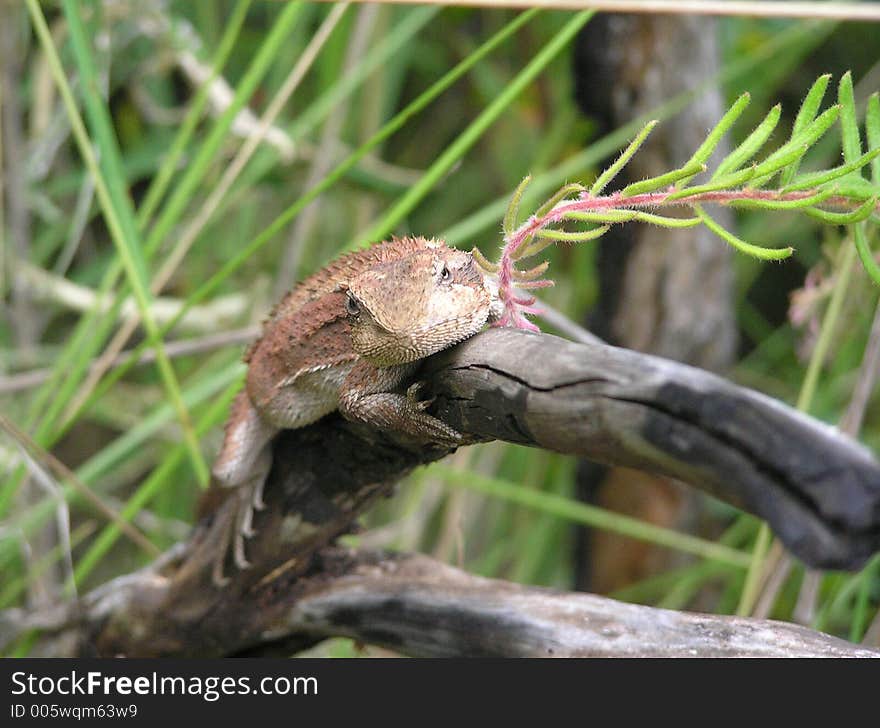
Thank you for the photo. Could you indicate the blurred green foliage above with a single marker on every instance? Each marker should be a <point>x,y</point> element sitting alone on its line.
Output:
<point>125,442</point>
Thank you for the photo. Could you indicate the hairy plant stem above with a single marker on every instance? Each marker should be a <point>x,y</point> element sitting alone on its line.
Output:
<point>516,243</point>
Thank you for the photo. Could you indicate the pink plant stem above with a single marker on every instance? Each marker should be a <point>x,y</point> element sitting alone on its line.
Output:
<point>515,307</point>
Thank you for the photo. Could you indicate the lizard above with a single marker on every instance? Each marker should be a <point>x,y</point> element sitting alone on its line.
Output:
<point>349,338</point>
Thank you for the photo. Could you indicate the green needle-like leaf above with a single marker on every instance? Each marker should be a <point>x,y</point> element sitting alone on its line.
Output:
<point>816,199</point>
<point>865,254</point>
<point>730,181</point>
<point>562,236</point>
<point>814,179</point>
<point>668,222</point>
<point>606,216</point>
<point>755,251</point>
<point>849,124</point>
<point>872,127</point>
<point>751,145</point>
<point>627,154</point>
<point>845,218</point>
<point>704,151</point>
<point>795,148</point>
<point>663,181</point>
<point>806,114</point>
<point>573,188</point>
<point>509,224</point>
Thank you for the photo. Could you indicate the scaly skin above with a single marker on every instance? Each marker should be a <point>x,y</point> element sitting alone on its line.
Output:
<point>348,338</point>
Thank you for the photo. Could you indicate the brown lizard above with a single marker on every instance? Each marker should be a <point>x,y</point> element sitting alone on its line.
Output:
<point>349,338</point>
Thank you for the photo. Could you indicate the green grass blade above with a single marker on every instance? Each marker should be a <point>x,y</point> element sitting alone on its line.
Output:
<point>867,579</point>
<point>397,122</point>
<point>110,161</point>
<point>196,171</point>
<point>578,512</point>
<point>408,27</point>
<point>159,186</point>
<point>127,249</point>
<point>118,452</point>
<point>148,489</point>
<point>473,132</point>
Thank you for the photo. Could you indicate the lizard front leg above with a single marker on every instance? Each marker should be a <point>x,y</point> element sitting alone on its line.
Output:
<point>366,396</point>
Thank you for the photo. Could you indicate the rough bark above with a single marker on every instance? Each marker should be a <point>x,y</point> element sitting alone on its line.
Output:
<point>418,606</point>
<point>817,488</point>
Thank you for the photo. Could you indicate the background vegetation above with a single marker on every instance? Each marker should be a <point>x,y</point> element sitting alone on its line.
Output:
<point>140,182</point>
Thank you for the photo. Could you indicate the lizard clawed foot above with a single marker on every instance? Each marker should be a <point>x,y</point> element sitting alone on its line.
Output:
<point>412,394</point>
<point>238,553</point>
<point>257,501</point>
<point>244,528</point>
<point>218,578</point>
<point>238,528</point>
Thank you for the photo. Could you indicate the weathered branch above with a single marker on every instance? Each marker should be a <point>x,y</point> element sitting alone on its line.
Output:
<point>421,607</point>
<point>818,489</point>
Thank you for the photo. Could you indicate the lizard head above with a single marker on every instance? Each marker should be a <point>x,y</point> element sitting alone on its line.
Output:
<point>409,308</point>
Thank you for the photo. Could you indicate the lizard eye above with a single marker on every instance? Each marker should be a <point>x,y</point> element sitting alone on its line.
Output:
<point>445,275</point>
<point>352,307</point>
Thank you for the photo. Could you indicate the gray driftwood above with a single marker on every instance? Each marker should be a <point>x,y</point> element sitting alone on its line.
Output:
<point>818,489</point>
<point>418,606</point>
